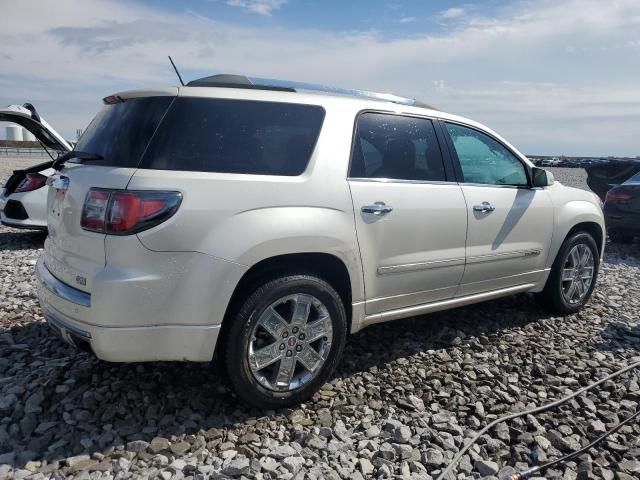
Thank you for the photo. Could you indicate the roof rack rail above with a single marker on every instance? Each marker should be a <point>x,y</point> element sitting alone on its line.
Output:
<point>255,83</point>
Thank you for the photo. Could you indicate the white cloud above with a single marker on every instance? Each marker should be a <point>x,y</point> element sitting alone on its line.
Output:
<point>453,12</point>
<point>519,72</point>
<point>407,19</point>
<point>261,7</point>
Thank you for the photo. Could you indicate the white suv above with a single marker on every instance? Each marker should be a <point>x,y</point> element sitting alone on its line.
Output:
<point>267,222</point>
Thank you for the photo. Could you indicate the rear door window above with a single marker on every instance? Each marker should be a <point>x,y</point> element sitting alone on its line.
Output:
<point>120,132</point>
<point>396,147</point>
<point>235,136</point>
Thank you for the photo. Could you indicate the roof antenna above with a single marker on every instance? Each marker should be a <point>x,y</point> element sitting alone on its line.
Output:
<point>176,69</point>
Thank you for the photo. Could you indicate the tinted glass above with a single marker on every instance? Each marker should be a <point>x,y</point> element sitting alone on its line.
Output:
<point>635,179</point>
<point>235,136</point>
<point>484,160</point>
<point>397,147</point>
<point>120,132</point>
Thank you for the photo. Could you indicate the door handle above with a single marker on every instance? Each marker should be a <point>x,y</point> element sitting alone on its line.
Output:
<point>378,208</point>
<point>484,207</point>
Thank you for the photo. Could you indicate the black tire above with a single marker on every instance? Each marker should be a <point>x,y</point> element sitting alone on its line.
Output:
<point>620,236</point>
<point>553,297</point>
<point>239,336</point>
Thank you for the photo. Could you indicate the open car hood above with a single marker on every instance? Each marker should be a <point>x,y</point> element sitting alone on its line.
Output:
<point>27,117</point>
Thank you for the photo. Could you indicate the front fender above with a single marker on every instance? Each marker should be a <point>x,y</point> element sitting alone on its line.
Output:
<point>570,214</point>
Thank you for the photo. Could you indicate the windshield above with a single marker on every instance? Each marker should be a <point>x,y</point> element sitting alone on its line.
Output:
<point>120,132</point>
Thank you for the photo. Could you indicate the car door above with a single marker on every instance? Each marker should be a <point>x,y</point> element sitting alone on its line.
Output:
<point>410,213</point>
<point>510,224</point>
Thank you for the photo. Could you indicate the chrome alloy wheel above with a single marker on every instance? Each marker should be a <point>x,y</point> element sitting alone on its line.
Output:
<point>290,342</point>
<point>577,273</point>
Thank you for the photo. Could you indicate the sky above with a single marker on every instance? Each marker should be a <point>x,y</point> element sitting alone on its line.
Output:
<point>555,77</point>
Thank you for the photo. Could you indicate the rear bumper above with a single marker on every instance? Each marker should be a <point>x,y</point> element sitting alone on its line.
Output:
<point>69,311</point>
<point>25,210</point>
<point>629,222</point>
<point>22,224</point>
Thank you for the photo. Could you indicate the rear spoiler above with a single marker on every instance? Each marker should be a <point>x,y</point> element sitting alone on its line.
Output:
<point>19,175</point>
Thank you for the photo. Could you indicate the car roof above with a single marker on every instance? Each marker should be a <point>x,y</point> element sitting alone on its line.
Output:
<point>250,88</point>
<point>241,81</point>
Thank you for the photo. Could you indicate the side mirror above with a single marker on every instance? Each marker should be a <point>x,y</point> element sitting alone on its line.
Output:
<point>542,178</point>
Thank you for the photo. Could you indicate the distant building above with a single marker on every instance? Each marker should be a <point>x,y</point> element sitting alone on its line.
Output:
<point>14,133</point>
<point>27,136</point>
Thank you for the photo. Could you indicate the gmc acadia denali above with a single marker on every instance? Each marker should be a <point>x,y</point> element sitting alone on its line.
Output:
<point>266,222</point>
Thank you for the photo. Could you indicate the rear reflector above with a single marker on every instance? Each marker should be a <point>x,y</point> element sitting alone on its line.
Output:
<point>124,212</point>
<point>31,181</point>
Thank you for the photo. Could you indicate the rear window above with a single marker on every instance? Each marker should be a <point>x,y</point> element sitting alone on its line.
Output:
<point>120,132</point>
<point>235,136</point>
<point>635,179</point>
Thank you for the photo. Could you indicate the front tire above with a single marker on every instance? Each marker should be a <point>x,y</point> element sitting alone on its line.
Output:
<point>573,275</point>
<point>285,341</point>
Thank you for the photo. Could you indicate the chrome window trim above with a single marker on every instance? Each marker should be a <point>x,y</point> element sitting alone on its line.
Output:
<point>60,288</point>
<point>470,184</point>
<point>398,180</point>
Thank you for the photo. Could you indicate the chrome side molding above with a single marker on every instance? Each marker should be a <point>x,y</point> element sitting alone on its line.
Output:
<point>443,304</point>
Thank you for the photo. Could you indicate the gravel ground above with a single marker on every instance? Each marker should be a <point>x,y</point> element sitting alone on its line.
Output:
<point>572,177</point>
<point>405,398</point>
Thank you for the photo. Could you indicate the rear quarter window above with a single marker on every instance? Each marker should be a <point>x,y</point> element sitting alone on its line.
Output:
<point>120,132</point>
<point>235,136</point>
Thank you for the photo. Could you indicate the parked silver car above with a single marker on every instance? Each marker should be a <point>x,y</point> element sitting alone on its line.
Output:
<point>265,222</point>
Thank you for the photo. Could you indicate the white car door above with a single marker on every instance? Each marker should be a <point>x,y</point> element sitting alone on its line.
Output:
<point>410,215</point>
<point>510,224</point>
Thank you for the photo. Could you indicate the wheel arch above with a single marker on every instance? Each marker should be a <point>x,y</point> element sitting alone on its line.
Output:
<point>592,228</point>
<point>577,216</point>
<point>327,266</point>
<point>551,295</point>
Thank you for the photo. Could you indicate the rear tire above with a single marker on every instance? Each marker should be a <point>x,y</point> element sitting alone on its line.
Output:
<point>285,341</point>
<point>620,236</point>
<point>568,287</point>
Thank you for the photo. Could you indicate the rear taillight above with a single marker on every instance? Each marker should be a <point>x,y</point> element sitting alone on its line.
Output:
<point>613,196</point>
<point>124,212</point>
<point>95,209</point>
<point>32,181</point>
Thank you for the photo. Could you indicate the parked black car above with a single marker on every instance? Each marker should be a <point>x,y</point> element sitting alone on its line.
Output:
<point>622,210</point>
<point>610,173</point>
